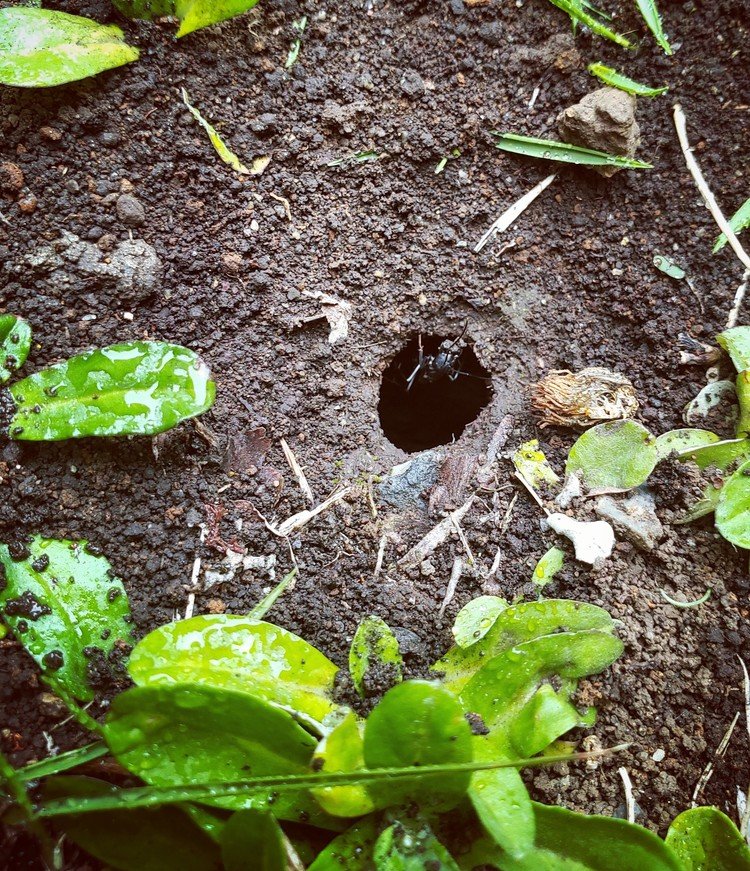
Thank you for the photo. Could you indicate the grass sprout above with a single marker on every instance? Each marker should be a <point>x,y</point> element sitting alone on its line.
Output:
<point>617,80</point>
<point>299,25</point>
<point>651,16</point>
<point>739,221</point>
<point>548,149</point>
<point>581,12</point>
<point>356,157</point>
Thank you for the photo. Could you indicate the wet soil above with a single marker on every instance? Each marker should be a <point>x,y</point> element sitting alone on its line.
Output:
<point>411,82</point>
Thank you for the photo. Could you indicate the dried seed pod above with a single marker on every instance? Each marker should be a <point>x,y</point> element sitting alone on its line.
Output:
<point>583,398</point>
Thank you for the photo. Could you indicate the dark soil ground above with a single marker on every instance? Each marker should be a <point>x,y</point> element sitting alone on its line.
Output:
<point>410,81</point>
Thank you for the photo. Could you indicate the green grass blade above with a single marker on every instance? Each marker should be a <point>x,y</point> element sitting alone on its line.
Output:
<point>548,149</point>
<point>738,222</point>
<point>62,762</point>
<point>617,80</point>
<point>651,16</point>
<point>578,13</point>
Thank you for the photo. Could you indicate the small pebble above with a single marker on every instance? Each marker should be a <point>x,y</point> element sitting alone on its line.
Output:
<point>109,139</point>
<point>27,203</point>
<point>658,755</point>
<point>50,133</point>
<point>130,211</point>
<point>11,177</point>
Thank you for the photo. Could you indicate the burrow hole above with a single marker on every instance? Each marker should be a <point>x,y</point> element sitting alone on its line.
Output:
<point>437,407</point>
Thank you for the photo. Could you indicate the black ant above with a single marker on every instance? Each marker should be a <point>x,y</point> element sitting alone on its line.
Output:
<point>443,364</point>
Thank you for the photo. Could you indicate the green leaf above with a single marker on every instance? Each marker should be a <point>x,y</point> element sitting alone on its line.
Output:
<point>193,14</point>
<point>267,602</point>
<point>411,845</point>
<point>705,839</point>
<point>682,440</point>
<point>617,80</point>
<point>62,762</point>
<point>228,156</point>
<point>180,734</point>
<point>349,851</point>
<point>374,656</point>
<point>15,340</point>
<point>619,455</point>
<point>137,388</point>
<point>542,720</point>
<point>39,47</point>
<point>733,507</point>
<point>476,619</point>
<point>739,221</point>
<point>503,805</point>
<point>578,12</point>
<point>720,454</point>
<point>533,465</point>
<point>240,654</point>
<point>342,749</point>
<point>418,723</point>
<point>669,267</point>
<point>516,625</point>
<point>736,342</point>
<point>151,839</point>
<point>548,149</point>
<point>652,18</point>
<point>743,398</point>
<point>252,839</point>
<point>65,607</point>
<point>547,567</point>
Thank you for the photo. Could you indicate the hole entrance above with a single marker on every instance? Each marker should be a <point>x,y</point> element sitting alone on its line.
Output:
<point>447,393</point>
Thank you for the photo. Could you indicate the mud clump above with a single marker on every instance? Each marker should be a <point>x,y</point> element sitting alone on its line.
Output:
<point>605,121</point>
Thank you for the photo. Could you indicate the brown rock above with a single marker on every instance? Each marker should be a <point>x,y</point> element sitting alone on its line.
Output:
<point>603,120</point>
<point>215,606</point>
<point>27,203</point>
<point>11,177</point>
<point>50,133</point>
<point>232,261</point>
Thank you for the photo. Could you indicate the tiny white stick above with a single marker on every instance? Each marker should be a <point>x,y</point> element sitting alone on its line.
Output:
<point>298,473</point>
<point>534,95</point>
<point>629,800</point>
<point>435,537</point>
<point>738,298</point>
<point>512,212</point>
<point>705,191</point>
<point>456,572</point>
<point>379,560</point>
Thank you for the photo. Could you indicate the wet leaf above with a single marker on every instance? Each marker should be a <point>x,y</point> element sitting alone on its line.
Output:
<point>349,851</point>
<point>180,734</point>
<point>707,399</point>
<point>669,267</point>
<point>720,454</point>
<point>411,845</point>
<point>15,342</point>
<point>516,625</point>
<point>652,18</point>
<point>418,723</point>
<point>547,567</point>
<point>241,654</point>
<point>578,12</point>
<point>705,839</point>
<point>733,507</point>
<point>65,607</point>
<point>137,388</point>
<point>544,718</point>
<point>548,149</point>
<point>502,803</point>
<point>252,839</point>
<point>342,749</point>
<point>374,655</point>
<point>476,619</point>
<point>617,80</point>
<point>533,465</point>
<point>137,839</point>
<point>40,48</point>
<point>613,456</point>
<point>742,387</point>
<point>682,440</point>
<point>192,14</point>
<point>228,156</point>
<point>736,342</point>
<point>739,221</point>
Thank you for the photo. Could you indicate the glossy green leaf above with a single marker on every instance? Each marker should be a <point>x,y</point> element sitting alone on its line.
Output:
<point>62,762</point>
<point>65,607</point>
<point>548,149</point>
<point>533,465</point>
<point>351,850</point>
<point>15,341</point>
<point>252,839</point>
<point>192,14</point>
<point>669,267</point>
<point>418,723</point>
<point>342,749</point>
<point>652,18</point>
<point>543,719</point>
<point>547,567</point>
<point>736,342</point>
<point>137,388</point>
<point>617,80</point>
<point>619,455</point>
<point>411,845</point>
<point>39,47</point>
<point>502,803</point>
<point>476,619</point>
<point>516,625</point>
<point>241,654</point>
<point>189,734</point>
<point>705,839</point>
<point>579,12</point>
<point>138,839</point>
<point>719,454</point>
<point>739,221</point>
<point>733,507</point>
<point>681,440</point>
<point>374,656</point>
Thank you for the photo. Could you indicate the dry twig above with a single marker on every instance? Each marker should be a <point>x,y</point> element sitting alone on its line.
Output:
<point>298,473</point>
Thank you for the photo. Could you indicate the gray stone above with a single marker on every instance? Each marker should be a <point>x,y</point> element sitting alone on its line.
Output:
<point>412,84</point>
<point>404,487</point>
<point>634,517</point>
<point>603,120</point>
<point>494,33</point>
<point>130,210</point>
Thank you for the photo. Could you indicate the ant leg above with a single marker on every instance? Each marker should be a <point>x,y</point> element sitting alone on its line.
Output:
<point>410,380</point>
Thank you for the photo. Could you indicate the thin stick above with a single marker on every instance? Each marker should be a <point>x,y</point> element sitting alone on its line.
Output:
<point>435,537</point>
<point>532,491</point>
<point>629,800</point>
<point>708,771</point>
<point>738,298</point>
<point>464,541</point>
<point>705,191</point>
<point>456,572</point>
<point>512,212</point>
<point>379,560</point>
<point>298,473</point>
